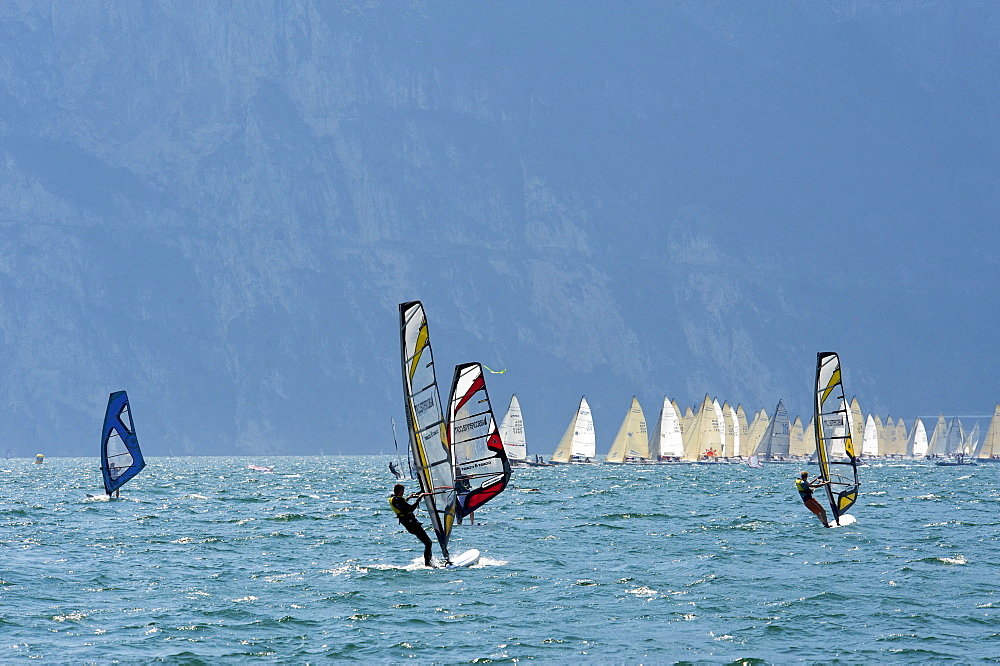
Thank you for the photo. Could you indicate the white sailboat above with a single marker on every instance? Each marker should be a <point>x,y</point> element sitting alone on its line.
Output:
<point>512,434</point>
<point>796,440</point>
<point>954,445</point>
<point>729,443</point>
<point>990,449</point>
<point>579,443</point>
<point>809,440</point>
<point>666,443</point>
<point>631,444</point>
<point>935,447</point>
<point>756,431</point>
<point>869,439</point>
<point>774,444</point>
<point>972,442</point>
<point>916,442</point>
<point>742,432</point>
<point>899,440</point>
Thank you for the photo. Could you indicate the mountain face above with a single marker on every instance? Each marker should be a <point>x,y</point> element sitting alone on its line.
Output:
<point>217,207</point>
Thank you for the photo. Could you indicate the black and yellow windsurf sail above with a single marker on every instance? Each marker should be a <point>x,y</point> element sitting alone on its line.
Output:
<point>429,448</point>
<point>833,435</point>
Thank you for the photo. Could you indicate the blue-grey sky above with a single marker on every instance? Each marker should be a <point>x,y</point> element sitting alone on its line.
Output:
<point>218,208</point>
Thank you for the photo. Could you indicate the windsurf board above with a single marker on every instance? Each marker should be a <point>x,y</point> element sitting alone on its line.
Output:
<point>466,559</point>
<point>845,520</point>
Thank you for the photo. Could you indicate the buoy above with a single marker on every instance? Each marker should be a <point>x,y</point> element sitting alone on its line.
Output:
<point>39,459</point>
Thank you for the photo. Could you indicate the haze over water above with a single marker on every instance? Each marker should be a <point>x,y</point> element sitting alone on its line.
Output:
<point>203,558</point>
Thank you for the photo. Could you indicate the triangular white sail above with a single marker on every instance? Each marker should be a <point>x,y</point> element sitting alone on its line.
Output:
<point>512,432</point>
<point>757,430</point>
<point>578,443</point>
<point>743,432</point>
<point>857,425</point>
<point>899,439</point>
<point>712,429</point>
<point>719,428</point>
<point>774,444</point>
<point>796,442</point>
<point>692,433</point>
<point>916,442</point>
<point>935,447</point>
<point>991,442</point>
<point>732,431</point>
<point>631,442</point>
<point>954,438</point>
<point>809,440</point>
<point>972,441</point>
<point>728,430</point>
<point>666,441</point>
<point>869,440</point>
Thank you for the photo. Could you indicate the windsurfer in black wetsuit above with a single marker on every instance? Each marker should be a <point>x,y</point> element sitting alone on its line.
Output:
<point>404,512</point>
<point>463,486</point>
<point>805,492</point>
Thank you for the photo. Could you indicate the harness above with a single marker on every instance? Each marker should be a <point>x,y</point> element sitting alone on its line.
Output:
<point>805,492</point>
<point>403,516</point>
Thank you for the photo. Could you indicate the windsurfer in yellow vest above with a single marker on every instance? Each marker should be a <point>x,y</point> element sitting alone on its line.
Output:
<point>805,492</point>
<point>404,512</point>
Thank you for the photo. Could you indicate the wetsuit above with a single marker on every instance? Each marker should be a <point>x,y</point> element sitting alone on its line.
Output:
<point>462,489</point>
<point>404,512</point>
<point>806,493</point>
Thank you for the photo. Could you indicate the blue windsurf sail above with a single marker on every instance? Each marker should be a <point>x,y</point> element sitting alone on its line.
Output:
<point>121,458</point>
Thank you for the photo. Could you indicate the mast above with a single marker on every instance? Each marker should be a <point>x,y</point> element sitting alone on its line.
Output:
<point>425,422</point>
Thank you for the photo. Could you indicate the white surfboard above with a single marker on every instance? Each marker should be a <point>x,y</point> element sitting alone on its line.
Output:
<point>466,559</point>
<point>845,520</point>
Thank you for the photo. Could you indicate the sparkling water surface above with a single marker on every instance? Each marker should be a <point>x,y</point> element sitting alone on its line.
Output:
<point>204,559</point>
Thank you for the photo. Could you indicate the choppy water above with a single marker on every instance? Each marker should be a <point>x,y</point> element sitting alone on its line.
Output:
<point>205,559</point>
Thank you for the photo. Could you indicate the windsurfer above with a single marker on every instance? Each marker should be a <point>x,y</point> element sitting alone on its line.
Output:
<point>804,487</point>
<point>463,485</point>
<point>404,512</point>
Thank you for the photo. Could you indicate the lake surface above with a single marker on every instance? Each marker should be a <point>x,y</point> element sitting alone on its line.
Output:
<point>203,558</point>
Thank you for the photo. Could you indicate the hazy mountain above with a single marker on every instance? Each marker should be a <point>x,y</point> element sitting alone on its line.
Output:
<point>218,206</point>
